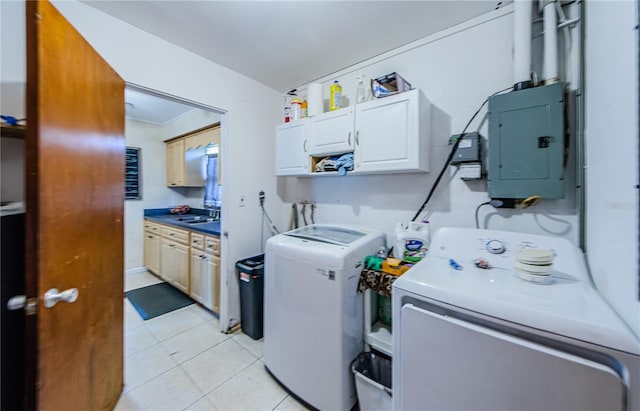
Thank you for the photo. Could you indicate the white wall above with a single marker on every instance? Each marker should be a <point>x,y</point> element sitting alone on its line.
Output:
<point>12,178</point>
<point>13,58</point>
<point>611,75</point>
<point>251,112</point>
<point>457,69</point>
<point>12,97</point>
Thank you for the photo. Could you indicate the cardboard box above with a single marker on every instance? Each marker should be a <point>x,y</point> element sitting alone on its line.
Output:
<point>389,85</point>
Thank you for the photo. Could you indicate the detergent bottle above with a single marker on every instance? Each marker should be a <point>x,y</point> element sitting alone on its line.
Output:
<point>335,96</point>
<point>412,241</point>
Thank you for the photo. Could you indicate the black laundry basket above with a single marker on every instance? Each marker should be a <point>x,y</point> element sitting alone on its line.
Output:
<point>372,375</point>
<point>251,283</point>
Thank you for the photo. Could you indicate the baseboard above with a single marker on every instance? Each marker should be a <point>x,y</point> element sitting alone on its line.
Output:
<point>135,270</point>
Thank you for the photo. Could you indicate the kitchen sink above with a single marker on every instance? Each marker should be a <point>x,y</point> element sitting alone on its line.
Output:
<point>200,221</point>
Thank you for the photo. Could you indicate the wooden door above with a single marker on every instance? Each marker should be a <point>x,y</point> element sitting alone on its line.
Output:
<point>75,152</point>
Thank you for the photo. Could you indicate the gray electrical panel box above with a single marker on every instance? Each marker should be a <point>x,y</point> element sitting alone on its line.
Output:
<point>469,149</point>
<point>526,143</point>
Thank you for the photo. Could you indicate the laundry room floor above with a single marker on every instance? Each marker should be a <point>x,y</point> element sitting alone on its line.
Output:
<point>181,361</point>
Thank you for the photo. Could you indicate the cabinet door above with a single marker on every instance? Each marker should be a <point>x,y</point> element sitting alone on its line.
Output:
<point>175,163</point>
<point>292,156</point>
<point>332,132</point>
<point>200,289</point>
<point>152,251</point>
<point>213,264</point>
<point>392,134</point>
<point>175,264</point>
<point>205,279</point>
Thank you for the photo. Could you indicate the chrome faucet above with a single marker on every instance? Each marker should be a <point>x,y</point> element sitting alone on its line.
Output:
<point>214,212</point>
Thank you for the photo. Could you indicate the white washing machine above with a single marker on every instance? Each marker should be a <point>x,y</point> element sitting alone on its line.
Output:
<point>468,338</point>
<point>313,315</point>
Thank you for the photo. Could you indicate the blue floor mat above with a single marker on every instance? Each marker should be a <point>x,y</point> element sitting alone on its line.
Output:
<point>157,299</point>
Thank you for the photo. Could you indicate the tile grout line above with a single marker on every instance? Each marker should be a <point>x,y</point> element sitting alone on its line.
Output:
<point>225,381</point>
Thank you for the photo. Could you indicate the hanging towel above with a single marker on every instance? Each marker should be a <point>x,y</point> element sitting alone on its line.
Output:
<point>212,196</point>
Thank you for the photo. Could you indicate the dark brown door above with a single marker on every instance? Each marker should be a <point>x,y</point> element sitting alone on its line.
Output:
<point>74,221</point>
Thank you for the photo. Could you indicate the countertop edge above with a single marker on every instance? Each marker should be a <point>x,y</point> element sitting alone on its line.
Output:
<point>167,220</point>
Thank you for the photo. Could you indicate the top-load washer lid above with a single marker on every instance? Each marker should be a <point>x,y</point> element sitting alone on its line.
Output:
<point>328,234</point>
<point>568,305</point>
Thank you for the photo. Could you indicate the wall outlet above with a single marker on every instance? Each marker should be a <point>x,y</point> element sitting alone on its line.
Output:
<point>242,201</point>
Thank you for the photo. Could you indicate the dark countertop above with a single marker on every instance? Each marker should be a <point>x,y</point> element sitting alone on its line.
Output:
<point>164,216</point>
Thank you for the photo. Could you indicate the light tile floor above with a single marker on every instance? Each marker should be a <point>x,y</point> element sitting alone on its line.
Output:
<point>181,361</point>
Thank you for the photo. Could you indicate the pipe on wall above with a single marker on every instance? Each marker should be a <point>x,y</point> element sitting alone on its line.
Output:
<point>550,57</point>
<point>522,42</point>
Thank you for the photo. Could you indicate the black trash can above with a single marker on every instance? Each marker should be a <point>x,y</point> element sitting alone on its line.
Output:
<point>251,283</point>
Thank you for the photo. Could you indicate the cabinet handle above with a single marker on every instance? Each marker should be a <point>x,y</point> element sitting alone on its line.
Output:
<point>349,138</point>
<point>358,138</point>
<point>304,146</point>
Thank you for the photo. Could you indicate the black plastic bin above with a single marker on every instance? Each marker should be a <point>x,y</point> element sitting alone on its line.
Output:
<point>251,283</point>
<point>372,375</point>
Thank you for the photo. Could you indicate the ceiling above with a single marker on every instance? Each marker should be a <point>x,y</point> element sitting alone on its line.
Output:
<point>152,109</point>
<point>285,44</point>
<point>282,44</point>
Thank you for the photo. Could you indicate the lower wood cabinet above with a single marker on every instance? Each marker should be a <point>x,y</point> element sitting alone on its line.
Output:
<point>205,272</point>
<point>152,248</point>
<point>188,260</point>
<point>175,264</point>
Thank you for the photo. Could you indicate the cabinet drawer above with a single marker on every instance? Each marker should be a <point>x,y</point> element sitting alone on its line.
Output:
<point>180,236</point>
<point>197,241</point>
<point>152,227</point>
<point>212,245</point>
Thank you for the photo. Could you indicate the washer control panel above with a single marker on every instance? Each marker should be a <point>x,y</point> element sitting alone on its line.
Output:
<point>495,246</point>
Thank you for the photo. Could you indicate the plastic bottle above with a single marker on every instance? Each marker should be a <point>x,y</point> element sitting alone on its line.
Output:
<point>287,105</point>
<point>296,109</point>
<point>335,96</point>
<point>305,109</point>
<point>361,91</point>
<point>412,241</point>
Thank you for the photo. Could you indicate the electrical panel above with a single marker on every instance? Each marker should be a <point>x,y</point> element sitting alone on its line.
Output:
<point>526,143</point>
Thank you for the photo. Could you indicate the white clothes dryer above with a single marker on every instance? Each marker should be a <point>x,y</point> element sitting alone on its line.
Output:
<point>469,338</point>
<point>313,314</point>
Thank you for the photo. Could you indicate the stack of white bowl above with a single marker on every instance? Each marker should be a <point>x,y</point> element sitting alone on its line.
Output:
<point>535,265</point>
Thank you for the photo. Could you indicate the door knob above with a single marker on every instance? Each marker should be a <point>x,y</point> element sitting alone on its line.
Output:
<point>16,303</point>
<point>53,296</point>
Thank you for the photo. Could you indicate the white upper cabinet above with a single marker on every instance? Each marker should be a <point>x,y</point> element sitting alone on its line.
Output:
<point>292,156</point>
<point>386,135</point>
<point>332,132</point>
<point>392,134</point>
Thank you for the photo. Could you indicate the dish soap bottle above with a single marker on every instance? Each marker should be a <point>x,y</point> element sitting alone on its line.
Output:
<point>361,90</point>
<point>335,96</point>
